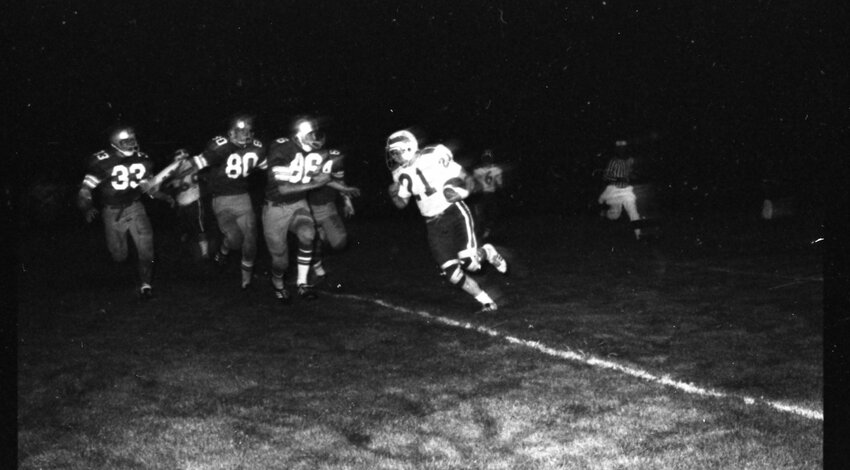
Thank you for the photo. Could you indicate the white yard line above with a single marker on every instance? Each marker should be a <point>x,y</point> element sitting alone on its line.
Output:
<point>592,360</point>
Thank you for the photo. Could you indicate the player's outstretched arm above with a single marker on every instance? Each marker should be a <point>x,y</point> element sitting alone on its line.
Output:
<point>344,189</point>
<point>347,207</point>
<point>318,181</point>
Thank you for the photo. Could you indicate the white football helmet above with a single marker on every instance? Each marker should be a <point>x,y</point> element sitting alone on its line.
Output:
<point>308,135</point>
<point>402,148</point>
<point>241,130</point>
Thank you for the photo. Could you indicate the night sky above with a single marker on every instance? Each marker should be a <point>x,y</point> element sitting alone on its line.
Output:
<point>715,95</point>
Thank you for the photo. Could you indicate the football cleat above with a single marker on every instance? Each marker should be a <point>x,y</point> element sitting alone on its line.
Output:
<point>283,296</point>
<point>146,293</point>
<point>220,259</point>
<point>488,307</point>
<point>495,259</point>
<point>316,278</point>
<point>305,291</point>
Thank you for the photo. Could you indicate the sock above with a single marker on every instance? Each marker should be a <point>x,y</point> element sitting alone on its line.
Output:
<point>305,256</point>
<point>277,279</point>
<point>319,269</point>
<point>484,298</point>
<point>303,270</point>
<point>247,272</point>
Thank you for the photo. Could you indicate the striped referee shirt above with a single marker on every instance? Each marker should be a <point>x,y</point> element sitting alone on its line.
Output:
<point>618,172</point>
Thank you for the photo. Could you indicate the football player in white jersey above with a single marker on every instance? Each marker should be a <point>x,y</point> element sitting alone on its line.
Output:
<point>439,185</point>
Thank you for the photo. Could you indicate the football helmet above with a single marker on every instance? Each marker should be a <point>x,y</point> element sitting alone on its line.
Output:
<point>402,148</point>
<point>308,135</point>
<point>124,140</point>
<point>241,130</point>
<point>487,157</point>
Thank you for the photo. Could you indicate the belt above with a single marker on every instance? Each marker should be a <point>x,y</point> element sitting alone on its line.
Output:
<point>121,208</point>
<point>276,204</point>
<point>434,218</point>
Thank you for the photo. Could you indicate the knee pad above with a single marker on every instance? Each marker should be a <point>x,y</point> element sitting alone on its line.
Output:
<point>305,233</point>
<point>453,272</point>
<point>470,259</point>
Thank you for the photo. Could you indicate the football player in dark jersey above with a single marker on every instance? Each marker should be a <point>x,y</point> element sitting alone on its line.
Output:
<point>323,204</point>
<point>295,166</point>
<point>229,161</point>
<point>119,174</point>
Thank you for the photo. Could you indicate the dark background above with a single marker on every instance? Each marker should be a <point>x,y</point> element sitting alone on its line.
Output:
<point>714,96</point>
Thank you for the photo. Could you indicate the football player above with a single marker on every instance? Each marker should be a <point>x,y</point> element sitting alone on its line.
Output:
<point>296,165</point>
<point>180,178</point>
<point>489,182</point>
<point>119,173</point>
<point>439,185</point>
<point>229,161</point>
<point>323,204</point>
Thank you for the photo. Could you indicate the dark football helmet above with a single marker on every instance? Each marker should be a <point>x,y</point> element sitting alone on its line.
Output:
<point>241,130</point>
<point>308,135</point>
<point>487,157</point>
<point>124,140</point>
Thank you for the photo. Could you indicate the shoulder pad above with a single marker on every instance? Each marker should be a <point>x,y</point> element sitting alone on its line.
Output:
<point>282,140</point>
<point>219,140</point>
<point>438,149</point>
<point>442,149</point>
<point>101,155</point>
<point>258,144</point>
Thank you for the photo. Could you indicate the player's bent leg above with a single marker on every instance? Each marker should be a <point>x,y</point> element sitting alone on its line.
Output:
<point>334,232</point>
<point>453,271</point>
<point>305,232</point>
<point>470,259</point>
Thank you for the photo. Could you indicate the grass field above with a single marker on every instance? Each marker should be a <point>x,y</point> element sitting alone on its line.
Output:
<point>702,349</point>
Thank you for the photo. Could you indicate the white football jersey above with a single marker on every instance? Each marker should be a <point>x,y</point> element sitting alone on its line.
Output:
<point>424,178</point>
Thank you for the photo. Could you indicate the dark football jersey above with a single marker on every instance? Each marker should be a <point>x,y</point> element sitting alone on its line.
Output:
<point>326,194</point>
<point>289,163</point>
<point>229,165</point>
<point>117,176</point>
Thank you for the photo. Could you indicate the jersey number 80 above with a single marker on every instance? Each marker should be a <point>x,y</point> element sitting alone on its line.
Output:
<point>239,165</point>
